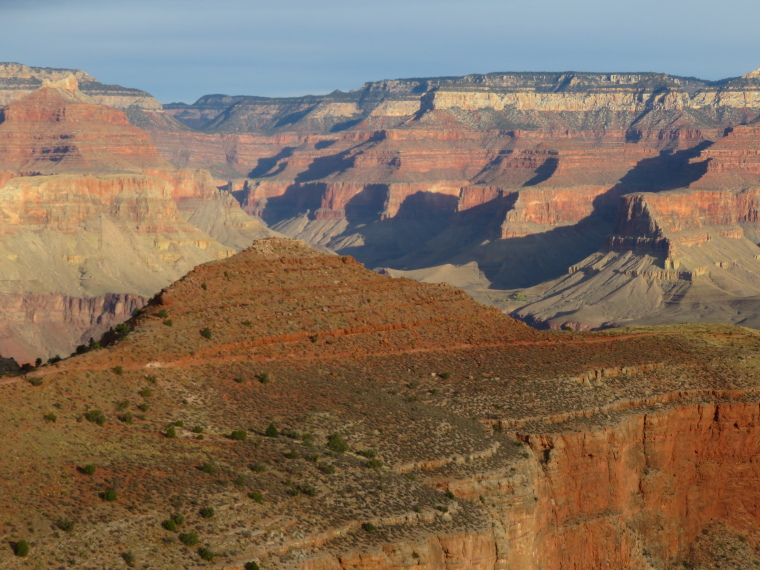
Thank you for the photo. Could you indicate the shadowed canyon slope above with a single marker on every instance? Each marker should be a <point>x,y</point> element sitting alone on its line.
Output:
<point>518,187</point>
<point>417,429</point>
<point>93,220</point>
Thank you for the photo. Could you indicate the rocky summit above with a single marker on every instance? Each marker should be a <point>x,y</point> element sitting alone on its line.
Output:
<point>283,408</point>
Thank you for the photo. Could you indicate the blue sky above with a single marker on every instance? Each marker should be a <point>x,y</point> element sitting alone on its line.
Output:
<point>180,50</point>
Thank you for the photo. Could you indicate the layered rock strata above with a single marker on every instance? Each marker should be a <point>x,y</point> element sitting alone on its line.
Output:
<point>93,220</point>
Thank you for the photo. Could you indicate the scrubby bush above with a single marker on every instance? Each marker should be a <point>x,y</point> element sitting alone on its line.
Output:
<point>168,322</point>
<point>65,525</point>
<point>251,566</point>
<point>109,495</point>
<point>171,432</point>
<point>258,497</point>
<point>169,525</point>
<point>179,519</point>
<point>264,378</point>
<point>198,429</point>
<point>207,512</point>
<point>337,444</point>
<point>206,553</point>
<point>118,370</point>
<point>162,314</point>
<point>51,417</point>
<point>271,431</point>
<point>89,469</point>
<point>21,548</point>
<point>369,527</point>
<point>206,332</point>
<point>374,464</point>
<point>368,453</point>
<point>327,468</point>
<point>129,558</point>
<point>209,468</point>
<point>188,538</point>
<point>96,417</point>
<point>146,393</point>
<point>257,467</point>
<point>238,435</point>
<point>291,455</point>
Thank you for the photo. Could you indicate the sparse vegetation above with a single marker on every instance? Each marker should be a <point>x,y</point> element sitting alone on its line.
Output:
<point>189,538</point>
<point>337,444</point>
<point>21,548</point>
<point>255,496</point>
<point>118,370</point>
<point>238,435</point>
<point>206,333</point>
<point>51,417</point>
<point>96,417</point>
<point>207,512</point>
<point>206,553</point>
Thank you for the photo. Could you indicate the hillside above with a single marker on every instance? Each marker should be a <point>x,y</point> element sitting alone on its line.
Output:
<point>461,433</point>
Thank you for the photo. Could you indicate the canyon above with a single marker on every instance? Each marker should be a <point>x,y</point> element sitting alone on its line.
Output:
<point>518,187</point>
<point>413,428</point>
<point>92,220</point>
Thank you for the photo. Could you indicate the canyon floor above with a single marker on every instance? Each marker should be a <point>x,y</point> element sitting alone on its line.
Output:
<point>415,429</point>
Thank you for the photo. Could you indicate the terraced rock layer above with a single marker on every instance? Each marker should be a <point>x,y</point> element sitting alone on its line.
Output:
<point>93,221</point>
<point>557,449</point>
<point>508,183</point>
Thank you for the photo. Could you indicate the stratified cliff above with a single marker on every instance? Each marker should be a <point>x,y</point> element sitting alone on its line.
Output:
<point>512,178</point>
<point>93,220</point>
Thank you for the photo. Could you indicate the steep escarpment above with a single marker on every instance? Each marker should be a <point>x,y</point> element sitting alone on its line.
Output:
<point>353,420</point>
<point>78,185</point>
<point>515,178</point>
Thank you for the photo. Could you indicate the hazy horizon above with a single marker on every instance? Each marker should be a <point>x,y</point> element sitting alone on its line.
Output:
<point>180,51</point>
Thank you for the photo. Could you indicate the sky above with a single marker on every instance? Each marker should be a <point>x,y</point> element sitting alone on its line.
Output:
<point>180,50</point>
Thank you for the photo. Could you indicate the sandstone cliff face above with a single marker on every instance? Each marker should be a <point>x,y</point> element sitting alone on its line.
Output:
<point>78,185</point>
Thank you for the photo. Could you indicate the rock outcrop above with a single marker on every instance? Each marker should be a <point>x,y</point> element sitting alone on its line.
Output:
<point>93,220</point>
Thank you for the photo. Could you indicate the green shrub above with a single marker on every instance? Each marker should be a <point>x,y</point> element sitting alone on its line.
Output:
<point>258,497</point>
<point>308,440</point>
<point>51,417</point>
<point>251,566</point>
<point>239,380</point>
<point>337,444</point>
<point>207,512</point>
<point>257,467</point>
<point>446,375</point>
<point>198,429</point>
<point>188,538</point>
<point>309,490</point>
<point>65,525</point>
<point>179,423</point>
<point>246,323</point>
<point>96,417</point>
<point>368,453</point>
<point>206,332</point>
<point>264,378</point>
<point>168,322</point>
<point>369,527</point>
<point>179,519</point>
<point>171,432</point>
<point>129,558</point>
<point>109,495</point>
<point>35,381</point>
<point>292,455</point>
<point>89,469</point>
<point>21,548</point>
<point>292,492</point>
<point>271,431</point>
<point>122,405</point>
<point>238,435</point>
<point>206,554</point>
<point>204,286</point>
<point>374,464</point>
<point>151,378</point>
<point>450,495</point>
<point>209,468</point>
<point>123,330</point>
<point>327,468</point>
<point>199,436</point>
<point>118,370</point>
<point>146,393</point>
<point>143,407</point>
<point>169,525</point>
<point>162,314</point>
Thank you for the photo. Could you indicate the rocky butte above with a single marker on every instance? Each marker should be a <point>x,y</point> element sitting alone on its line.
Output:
<point>290,409</point>
<point>92,219</point>
<point>573,199</point>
